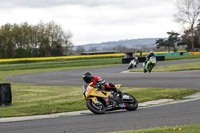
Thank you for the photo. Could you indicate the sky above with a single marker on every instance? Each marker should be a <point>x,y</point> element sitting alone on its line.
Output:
<point>95,21</point>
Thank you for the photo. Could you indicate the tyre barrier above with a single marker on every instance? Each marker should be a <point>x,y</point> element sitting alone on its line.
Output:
<point>5,94</point>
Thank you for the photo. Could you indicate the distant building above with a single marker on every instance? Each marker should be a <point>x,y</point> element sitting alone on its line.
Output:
<point>98,52</point>
<point>132,54</point>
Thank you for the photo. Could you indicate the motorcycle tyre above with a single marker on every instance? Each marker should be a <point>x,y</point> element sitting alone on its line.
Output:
<point>150,67</point>
<point>130,67</point>
<point>145,70</point>
<point>93,109</point>
<point>131,107</point>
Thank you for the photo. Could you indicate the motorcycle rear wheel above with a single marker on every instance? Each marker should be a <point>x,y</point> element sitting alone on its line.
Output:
<point>95,108</point>
<point>131,106</point>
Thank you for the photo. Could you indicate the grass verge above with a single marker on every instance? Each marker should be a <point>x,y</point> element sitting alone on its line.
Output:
<point>37,100</point>
<point>184,57</point>
<point>194,128</point>
<point>175,67</point>
<point>59,64</point>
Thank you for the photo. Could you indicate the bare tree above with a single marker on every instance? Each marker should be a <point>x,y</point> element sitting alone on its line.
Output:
<point>92,49</point>
<point>79,50</point>
<point>188,14</point>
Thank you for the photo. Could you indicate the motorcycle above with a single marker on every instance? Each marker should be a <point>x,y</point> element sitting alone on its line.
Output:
<point>99,100</point>
<point>133,64</point>
<point>150,64</point>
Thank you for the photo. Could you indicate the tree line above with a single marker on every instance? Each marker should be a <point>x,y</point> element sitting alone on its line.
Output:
<point>40,40</point>
<point>188,16</point>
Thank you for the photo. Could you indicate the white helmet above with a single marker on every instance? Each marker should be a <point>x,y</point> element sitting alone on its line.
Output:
<point>151,52</point>
<point>136,58</point>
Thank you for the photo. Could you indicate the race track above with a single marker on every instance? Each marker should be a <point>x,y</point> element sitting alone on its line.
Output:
<point>155,116</point>
<point>185,79</point>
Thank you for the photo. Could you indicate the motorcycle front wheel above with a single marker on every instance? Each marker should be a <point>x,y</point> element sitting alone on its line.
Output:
<point>98,108</point>
<point>132,104</point>
<point>150,67</point>
<point>130,67</point>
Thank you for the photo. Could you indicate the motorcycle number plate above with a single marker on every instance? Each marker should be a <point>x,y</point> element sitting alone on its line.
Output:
<point>153,60</point>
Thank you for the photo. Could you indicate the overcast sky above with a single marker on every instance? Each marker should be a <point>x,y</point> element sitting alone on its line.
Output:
<point>93,21</point>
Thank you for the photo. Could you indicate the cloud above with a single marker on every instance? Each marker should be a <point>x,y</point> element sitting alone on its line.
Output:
<point>88,3</point>
<point>93,21</point>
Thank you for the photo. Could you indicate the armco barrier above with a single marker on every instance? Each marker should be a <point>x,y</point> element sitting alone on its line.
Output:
<point>176,54</point>
<point>173,54</point>
<point>194,53</point>
<point>5,94</point>
<point>185,53</point>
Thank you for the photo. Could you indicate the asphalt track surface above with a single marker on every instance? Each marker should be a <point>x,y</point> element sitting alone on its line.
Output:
<point>156,116</point>
<point>185,79</point>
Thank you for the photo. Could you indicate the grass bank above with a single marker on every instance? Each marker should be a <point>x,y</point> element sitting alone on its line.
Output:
<point>184,57</point>
<point>194,128</point>
<point>171,68</point>
<point>60,64</point>
<point>37,100</point>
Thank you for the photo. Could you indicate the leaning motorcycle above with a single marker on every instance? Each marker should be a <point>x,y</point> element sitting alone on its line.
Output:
<point>99,100</point>
<point>132,64</point>
<point>150,64</point>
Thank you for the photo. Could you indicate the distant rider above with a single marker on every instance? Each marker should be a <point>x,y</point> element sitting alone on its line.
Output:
<point>137,61</point>
<point>149,56</point>
<point>96,80</point>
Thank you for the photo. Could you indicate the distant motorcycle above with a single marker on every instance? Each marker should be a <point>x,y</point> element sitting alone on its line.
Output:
<point>99,100</point>
<point>133,63</point>
<point>150,64</point>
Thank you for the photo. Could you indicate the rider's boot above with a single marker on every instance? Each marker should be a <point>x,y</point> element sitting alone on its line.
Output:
<point>120,93</point>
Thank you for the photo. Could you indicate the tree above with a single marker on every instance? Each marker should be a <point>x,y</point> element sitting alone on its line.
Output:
<point>172,41</point>
<point>186,38</point>
<point>24,40</point>
<point>197,36</point>
<point>7,41</point>
<point>79,50</point>
<point>92,49</point>
<point>162,43</point>
<point>188,14</point>
<point>121,48</point>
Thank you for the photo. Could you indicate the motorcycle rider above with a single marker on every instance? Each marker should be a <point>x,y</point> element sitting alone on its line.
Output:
<point>149,56</point>
<point>96,80</point>
<point>135,60</point>
<point>133,63</point>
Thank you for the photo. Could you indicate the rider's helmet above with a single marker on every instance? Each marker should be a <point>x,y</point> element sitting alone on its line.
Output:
<point>136,58</point>
<point>151,52</point>
<point>87,77</point>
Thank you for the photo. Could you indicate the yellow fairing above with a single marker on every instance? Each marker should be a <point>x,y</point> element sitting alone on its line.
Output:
<point>117,86</point>
<point>92,93</point>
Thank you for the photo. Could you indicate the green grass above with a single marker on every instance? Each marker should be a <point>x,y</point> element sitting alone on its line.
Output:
<point>60,64</point>
<point>194,128</point>
<point>171,68</point>
<point>184,57</point>
<point>148,94</point>
<point>38,100</point>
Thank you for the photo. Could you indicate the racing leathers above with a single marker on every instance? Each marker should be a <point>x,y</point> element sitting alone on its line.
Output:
<point>108,86</point>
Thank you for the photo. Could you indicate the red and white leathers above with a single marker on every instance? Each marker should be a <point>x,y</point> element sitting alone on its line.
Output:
<point>109,86</point>
<point>95,80</point>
